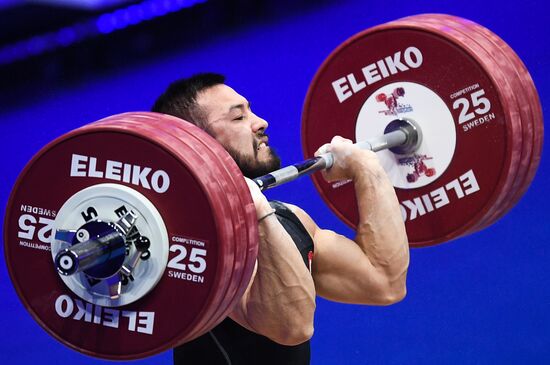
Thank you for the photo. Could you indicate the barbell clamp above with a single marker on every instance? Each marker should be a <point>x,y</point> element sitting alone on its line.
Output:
<point>93,250</point>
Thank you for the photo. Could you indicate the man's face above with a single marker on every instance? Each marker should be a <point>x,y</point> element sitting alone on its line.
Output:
<point>230,120</point>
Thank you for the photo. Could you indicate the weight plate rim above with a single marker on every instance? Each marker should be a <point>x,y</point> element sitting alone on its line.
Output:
<point>496,207</point>
<point>225,280</point>
<point>534,116</point>
<point>528,118</point>
<point>217,151</point>
<point>243,194</point>
<point>241,191</point>
<point>239,251</point>
<point>171,122</point>
<point>480,35</point>
<point>498,79</point>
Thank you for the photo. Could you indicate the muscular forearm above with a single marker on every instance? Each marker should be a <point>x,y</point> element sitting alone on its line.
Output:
<point>281,298</point>
<point>380,231</point>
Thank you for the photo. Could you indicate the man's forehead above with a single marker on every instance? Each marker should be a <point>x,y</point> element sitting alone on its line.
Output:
<point>219,99</point>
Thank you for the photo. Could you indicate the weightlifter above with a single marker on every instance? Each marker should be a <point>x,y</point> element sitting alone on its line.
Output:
<point>297,260</point>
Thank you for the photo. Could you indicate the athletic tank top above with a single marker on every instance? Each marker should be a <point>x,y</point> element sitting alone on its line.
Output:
<point>231,344</point>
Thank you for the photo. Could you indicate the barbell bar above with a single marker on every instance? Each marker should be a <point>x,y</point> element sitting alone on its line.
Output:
<point>402,136</point>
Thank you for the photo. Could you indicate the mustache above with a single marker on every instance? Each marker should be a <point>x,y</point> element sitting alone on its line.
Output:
<point>256,141</point>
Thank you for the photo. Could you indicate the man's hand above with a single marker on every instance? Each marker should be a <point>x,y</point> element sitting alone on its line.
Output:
<point>259,199</point>
<point>348,158</point>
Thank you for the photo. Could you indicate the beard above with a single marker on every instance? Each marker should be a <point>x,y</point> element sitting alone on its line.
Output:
<point>251,167</point>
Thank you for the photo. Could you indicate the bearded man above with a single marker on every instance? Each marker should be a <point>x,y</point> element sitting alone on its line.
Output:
<point>297,260</point>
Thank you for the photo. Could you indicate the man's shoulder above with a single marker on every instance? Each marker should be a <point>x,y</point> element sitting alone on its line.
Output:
<point>301,214</point>
<point>277,204</point>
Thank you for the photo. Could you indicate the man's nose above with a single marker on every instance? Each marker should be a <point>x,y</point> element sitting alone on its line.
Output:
<point>258,124</point>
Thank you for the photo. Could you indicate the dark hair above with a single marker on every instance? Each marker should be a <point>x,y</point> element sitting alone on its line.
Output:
<point>180,98</point>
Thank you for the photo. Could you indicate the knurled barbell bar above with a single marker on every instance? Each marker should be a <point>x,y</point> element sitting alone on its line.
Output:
<point>150,249</point>
<point>401,136</point>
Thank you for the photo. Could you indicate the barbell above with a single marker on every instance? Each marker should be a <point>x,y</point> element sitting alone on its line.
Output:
<point>148,234</point>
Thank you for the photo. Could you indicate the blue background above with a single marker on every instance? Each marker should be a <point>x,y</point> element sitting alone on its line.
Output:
<point>482,299</point>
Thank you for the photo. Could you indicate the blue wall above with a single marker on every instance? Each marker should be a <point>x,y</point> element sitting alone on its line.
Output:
<point>482,299</point>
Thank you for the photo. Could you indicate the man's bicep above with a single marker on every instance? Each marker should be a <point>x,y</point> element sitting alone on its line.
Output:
<point>342,272</point>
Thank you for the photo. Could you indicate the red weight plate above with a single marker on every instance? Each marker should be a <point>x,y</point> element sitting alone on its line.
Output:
<point>248,256</point>
<point>248,246</point>
<point>504,77</point>
<point>507,81</point>
<point>484,38</point>
<point>246,250</point>
<point>532,118</point>
<point>158,128</point>
<point>468,147</point>
<point>147,326</point>
<point>220,294</point>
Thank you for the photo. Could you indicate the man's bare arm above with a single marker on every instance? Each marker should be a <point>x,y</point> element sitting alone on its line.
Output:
<point>279,302</point>
<point>372,268</point>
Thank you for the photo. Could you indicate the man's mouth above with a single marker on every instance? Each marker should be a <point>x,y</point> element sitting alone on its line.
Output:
<point>262,142</point>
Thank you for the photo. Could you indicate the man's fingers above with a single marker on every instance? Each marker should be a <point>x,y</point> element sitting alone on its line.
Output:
<point>323,149</point>
<point>260,201</point>
<point>340,139</point>
<point>251,184</point>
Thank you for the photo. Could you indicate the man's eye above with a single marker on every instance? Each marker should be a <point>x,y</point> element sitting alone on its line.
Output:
<point>241,117</point>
